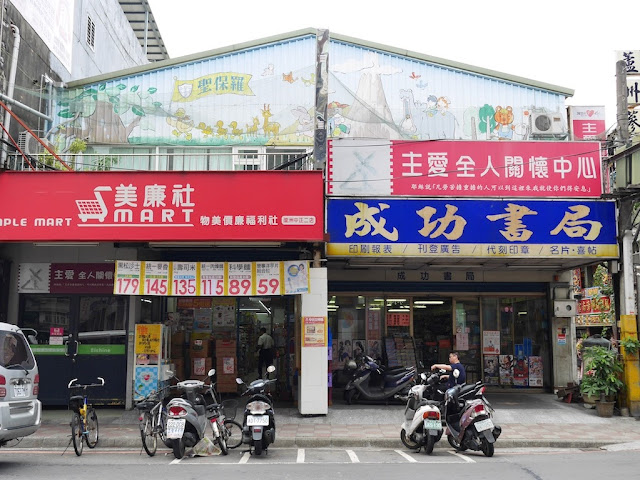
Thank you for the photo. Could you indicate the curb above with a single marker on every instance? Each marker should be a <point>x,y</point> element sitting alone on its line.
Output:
<point>315,442</point>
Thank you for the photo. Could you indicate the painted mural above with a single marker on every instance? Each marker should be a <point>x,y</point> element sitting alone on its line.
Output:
<point>265,96</point>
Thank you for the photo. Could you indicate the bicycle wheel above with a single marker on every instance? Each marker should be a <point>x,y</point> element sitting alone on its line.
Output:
<point>148,434</point>
<point>222,440</point>
<point>76,433</point>
<point>92,428</point>
<point>234,433</point>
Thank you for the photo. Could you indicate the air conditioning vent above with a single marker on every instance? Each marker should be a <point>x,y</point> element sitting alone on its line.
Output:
<point>29,144</point>
<point>546,124</point>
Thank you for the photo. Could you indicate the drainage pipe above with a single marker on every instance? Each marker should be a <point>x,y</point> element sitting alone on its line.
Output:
<point>10,87</point>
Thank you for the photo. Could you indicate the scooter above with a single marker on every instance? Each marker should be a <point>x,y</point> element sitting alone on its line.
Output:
<point>468,415</point>
<point>363,385</point>
<point>259,426</point>
<point>189,415</point>
<point>422,425</point>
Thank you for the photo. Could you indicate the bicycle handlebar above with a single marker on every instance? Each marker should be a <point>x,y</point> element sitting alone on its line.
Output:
<point>71,385</point>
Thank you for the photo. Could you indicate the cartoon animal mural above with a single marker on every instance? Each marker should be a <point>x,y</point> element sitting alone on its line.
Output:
<point>182,124</point>
<point>252,130</point>
<point>504,122</point>
<point>288,77</point>
<point>337,125</point>
<point>407,126</point>
<point>304,120</point>
<point>235,131</point>
<point>269,128</point>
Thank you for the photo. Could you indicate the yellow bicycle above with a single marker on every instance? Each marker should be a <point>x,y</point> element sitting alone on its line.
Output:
<point>84,422</point>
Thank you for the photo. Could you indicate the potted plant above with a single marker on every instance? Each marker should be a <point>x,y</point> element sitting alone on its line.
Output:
<point>601,377</point>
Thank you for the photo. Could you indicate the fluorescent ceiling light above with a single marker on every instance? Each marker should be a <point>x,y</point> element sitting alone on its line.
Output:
<point>398,310</point>
<point>375,265</point>
<point>374,308</point>
<point>522,313</point>
<point>66,244</point>
<point>419,306</point>
<point>428,302</point>
<point>396,300</point>
<point>264,306</point>
<point>249,309</point>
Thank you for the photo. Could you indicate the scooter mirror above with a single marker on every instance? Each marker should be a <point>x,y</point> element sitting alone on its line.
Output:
<point>212,372</point>
<point>170,373</point>
<point>456,373</point>
<point>423,376</point>
<point>239,381</point>
<point>271,369</point>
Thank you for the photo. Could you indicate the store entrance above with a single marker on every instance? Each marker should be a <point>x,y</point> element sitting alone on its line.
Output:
<point>223,332</point>
<point>432,329</point>
<point>78,336</point>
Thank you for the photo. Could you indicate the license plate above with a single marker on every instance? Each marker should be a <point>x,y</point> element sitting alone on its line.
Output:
<point>175,427</point>
<point>432,425</point>
<point>20,390</point>
<point>262,420</point>
<point>483,425</point>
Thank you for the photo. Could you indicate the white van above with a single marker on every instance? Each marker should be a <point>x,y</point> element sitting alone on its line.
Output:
<point>20,409</point>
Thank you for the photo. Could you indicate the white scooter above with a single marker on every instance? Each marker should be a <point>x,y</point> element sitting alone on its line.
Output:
<point>422,425</point>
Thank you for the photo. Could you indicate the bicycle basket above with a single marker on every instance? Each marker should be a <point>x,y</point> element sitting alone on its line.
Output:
<point>229,408</point>
<point>76,402</point>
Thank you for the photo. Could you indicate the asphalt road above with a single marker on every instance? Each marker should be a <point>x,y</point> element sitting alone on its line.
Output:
<point>292,463</point>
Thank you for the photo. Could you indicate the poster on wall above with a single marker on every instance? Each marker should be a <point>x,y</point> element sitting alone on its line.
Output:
<point>202,320</point>
<point>521,372</point>
<point>491,342</point>
<point>535,372</point>
<point>373,325</point>
<point>491,370</point>
<point>315,331</point>
<point>224,312</point>
<point>374,349</point>
<point>347,323</point>
<point>296,277</point>
<point>359,348</point>
<point>462,341</point>
<point>506,370</point>
<point>345,349</point>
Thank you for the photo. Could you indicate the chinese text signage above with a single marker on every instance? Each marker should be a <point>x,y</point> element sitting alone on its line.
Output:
<point>471,228</point>
<point>464,169</point>
<point>209,279</point>
<point>162,206</point>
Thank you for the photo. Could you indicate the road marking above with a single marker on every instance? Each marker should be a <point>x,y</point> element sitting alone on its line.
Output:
<point>408,457</point>
<point>353,456</point>
<point>464,457</point>
<point>175,461</point>
<point>300,455</point>
<point>245,458</point>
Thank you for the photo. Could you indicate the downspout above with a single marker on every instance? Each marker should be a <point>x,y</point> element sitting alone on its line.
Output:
<point>10,87</point>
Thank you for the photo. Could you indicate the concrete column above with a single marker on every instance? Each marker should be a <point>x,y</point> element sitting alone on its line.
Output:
<point>312,383</point>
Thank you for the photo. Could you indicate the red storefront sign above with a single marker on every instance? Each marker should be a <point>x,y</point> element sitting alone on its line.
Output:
<point>162,206</point>
<point>81,278</point>
<point>465,169</point>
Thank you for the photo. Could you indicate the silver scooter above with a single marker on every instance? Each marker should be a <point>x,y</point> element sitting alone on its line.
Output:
<point>188,417</point>
<point>259,425</point>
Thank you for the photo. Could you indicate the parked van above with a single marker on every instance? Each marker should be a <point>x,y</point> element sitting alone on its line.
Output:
<point>20,409</point>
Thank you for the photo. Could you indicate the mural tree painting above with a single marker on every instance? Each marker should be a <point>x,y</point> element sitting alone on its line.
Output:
<point>122,108</point>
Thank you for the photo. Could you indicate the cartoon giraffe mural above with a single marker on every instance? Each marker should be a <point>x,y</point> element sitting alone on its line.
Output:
<point>269,127</point>
<point>252,130</point>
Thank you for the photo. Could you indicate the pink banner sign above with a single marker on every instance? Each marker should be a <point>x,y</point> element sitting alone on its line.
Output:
<point>82,277</point>
<point>465,169</point>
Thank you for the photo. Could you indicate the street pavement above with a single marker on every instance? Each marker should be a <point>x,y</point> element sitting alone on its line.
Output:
<point>527,420</point>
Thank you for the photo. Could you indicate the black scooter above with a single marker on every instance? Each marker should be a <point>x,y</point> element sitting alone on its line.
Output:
<point>259,426</point>
<point>370,383</point>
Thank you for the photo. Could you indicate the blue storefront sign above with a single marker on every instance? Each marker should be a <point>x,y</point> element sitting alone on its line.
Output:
<point>471,228</point>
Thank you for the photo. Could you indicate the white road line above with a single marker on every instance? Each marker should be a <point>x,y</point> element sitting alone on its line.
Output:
<point>245,457</point>
<point>175,461</point>
<point>406,456</point>
<point>352,455</point>
<point>300,458</point>
<point>464,457</point>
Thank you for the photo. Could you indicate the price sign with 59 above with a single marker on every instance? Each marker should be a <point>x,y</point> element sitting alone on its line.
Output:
<point>268,278</point>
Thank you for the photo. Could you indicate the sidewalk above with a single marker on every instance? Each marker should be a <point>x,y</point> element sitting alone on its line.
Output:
<point>527,420</point>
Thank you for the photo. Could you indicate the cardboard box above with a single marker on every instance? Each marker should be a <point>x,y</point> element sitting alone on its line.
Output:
<point>226,348</point>
<point>177,338</point>
<point>199,346</point>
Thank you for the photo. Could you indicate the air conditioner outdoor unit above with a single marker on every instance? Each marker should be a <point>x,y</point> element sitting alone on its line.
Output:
<point>564,308</point>
<point>547,124</point>
<point>29,144</point>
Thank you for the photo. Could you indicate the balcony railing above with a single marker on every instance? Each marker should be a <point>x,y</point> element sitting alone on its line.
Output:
<point>238,160</point>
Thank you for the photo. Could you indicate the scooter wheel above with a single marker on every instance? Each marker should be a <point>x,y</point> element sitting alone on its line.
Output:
<point>407,442</point>
<point>487,448</point>
<point>257,447</point>
<point>431,442</point>
<point>454,443</point>
<point>351,396</point>
<point>178,447</point>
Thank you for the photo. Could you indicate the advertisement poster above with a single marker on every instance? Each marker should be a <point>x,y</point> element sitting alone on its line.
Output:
<point>373,324</point>
<point>228,365</point>
<point>506,370</point>
<point>315,331</point>
<point>375,349</point>
<point>148,339</point>
<point>345,350</point>
<point>491,342</point>
<point>491,370</point>
<point>224,313</point>
<point>462,341</point>
<point>535,371</point>
<point>347,322</point>
<point>127,274</point>
<point>359,348</point>
<point>521,372</point>
<point>155,280</point>
<point>202,320</point>
<point>296,277</point>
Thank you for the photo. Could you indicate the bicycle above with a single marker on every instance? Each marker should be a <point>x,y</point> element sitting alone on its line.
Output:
<point>153,420</point>
<point>84,421</point>
<point>224,414</point>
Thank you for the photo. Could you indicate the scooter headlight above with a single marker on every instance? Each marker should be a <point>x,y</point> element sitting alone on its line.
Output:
<point>258,407</point>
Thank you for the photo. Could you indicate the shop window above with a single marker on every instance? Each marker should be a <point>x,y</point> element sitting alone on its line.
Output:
<point>467,337</point>
<point>432,327</point>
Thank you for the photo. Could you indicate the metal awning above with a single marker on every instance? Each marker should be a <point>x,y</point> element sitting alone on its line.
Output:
<point>140,17</point>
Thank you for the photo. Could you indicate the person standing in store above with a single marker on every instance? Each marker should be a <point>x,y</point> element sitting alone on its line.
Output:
<point>265,350</point>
